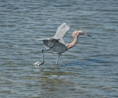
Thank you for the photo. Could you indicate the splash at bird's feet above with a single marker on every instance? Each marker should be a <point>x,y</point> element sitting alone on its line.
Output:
<point>38,63</point>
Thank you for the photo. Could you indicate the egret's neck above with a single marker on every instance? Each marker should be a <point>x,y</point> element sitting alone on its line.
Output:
<point>70,45</point>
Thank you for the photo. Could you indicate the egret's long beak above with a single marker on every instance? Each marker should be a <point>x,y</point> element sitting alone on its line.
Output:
<point>87,35</point>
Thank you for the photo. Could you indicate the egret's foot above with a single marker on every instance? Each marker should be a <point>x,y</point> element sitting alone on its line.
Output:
<point>38,63</point>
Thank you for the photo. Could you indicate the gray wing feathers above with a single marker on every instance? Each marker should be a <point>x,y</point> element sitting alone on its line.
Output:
<point>57,42</point>
<point>61,31</point>
<point>49,42</point>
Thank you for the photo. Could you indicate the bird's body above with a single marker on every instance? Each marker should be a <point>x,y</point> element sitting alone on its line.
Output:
<point>57,44</point>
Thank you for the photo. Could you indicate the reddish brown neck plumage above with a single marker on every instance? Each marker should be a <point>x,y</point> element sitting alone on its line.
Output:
<point>75,36</point>
<point>72,44</point>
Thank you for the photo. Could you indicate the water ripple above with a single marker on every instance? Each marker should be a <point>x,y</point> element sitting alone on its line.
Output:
<point>88,70</point>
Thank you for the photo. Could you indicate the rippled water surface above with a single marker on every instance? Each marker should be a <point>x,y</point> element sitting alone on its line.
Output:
<point>89,70</point>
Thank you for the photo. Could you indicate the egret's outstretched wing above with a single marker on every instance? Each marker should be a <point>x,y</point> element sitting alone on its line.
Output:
<point>61,31</point>
<point>53,45</point>
<point>49,42</point>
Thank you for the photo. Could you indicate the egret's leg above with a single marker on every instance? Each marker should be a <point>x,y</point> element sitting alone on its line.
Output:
<point>40,63</point>
<point>43,51</point>
<point>43,57</point>
<point>58,59</point>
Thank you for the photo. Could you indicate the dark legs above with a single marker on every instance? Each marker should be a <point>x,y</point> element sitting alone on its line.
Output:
<point>43,58</point>
<point>40,63</point>
<point>58,59</point>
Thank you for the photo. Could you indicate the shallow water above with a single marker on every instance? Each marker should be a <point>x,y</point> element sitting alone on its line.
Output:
<point>89,70</point>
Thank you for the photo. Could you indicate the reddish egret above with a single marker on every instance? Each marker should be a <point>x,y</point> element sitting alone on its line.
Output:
<point>57,45</point>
